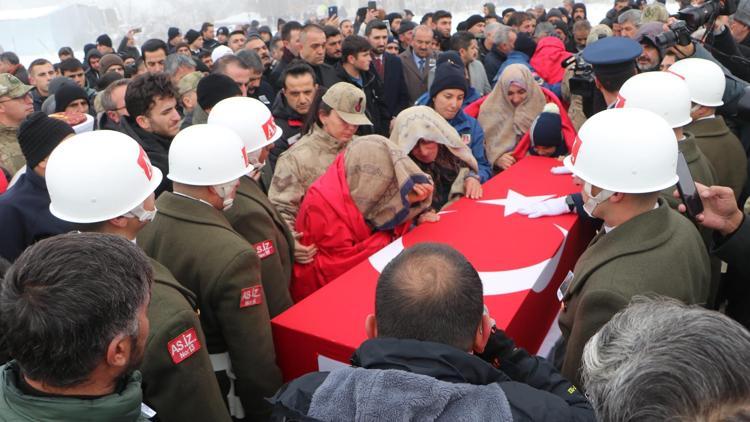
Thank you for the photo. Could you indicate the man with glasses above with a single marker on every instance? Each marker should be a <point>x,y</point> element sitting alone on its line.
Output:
<point>15,105</point>
<point>113,102</point>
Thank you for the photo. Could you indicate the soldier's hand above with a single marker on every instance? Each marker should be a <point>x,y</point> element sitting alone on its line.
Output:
<point>720,211</point>
<point>304,254</point>
<point>550,207</point>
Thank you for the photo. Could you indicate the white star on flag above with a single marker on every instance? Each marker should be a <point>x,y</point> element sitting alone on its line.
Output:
<point>515,201</point>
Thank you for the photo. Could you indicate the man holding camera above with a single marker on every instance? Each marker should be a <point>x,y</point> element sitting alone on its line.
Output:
<point>433,354</point>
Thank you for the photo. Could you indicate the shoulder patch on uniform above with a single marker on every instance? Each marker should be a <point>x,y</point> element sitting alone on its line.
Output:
<point>184,345</point>
<point>251,296</point>
<point>264,249</point>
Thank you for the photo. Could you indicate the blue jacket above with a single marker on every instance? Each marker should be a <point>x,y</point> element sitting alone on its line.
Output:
<point>467,125</point>
<point>25,217</point>
<point>515,57</point>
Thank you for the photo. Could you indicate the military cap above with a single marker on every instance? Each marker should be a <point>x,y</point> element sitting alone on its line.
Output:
<point>12,87</point>
<point>349,103</point>
<point>612,55</point>
<point>189,82</point>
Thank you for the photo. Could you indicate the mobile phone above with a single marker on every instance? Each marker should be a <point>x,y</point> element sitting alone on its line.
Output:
<point>371,5</point>
<point>333,11</point>
<point>686,188</point>
<point>137,30</point>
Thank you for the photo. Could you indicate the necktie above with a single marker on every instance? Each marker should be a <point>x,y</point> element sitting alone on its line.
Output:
<point>379,68</point>
<point>421,65</point>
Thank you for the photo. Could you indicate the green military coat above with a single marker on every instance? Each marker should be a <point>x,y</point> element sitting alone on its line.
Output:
<point>723,150</point>
<point>256,219</point>
<point>178,379</point>
<point>659,252</point>
<point>199,246</point>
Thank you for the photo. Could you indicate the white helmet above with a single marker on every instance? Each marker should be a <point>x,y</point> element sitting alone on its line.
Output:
<point>249,118</point>
<point>625,150</point>
<point>704,78</point>
<point>96,176</point>
<point>207,155</point>
<point>220,52</point>
<point>664,93</point>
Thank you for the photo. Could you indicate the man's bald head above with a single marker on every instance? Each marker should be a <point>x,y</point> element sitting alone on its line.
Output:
<point>430,292</point>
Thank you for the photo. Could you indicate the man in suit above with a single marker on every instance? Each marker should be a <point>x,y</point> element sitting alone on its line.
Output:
<point>644,247</point>
<point>416,62</point>
<point>388,68</point>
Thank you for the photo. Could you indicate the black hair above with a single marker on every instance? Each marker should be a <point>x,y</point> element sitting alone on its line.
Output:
<point>517,18</point>
<point>353,45</point>
<point>440,14</point>
<point>143,90</point>
<point>331,31</point>
<point>71,64</point>
<point>286,30</point>
<point>296,68</point>
<point>205,26</point>
<point>375,24</point>
<point>66,298</point>
<point>612,82</point>
<point>429,292</point>
<point>153,45</point>
<point>461,39</point>
<point>425,17</point>
<point>38,62</point>
<point>312,119</point>
<point>9,57</point>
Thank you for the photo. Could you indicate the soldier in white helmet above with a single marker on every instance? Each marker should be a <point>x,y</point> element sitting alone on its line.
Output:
<point>104,182</point>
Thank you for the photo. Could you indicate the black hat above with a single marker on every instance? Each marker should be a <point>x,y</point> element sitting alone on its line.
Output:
<point>473,20</point>
<point>461,26</point>
<point>449,74</point>
<point>508,10</point>
<point>266,29</point>
<point>406,27</point>
<point>525,44</point>
<point>394,15</point>
<point>107,79</point>
<point>554,12</point>
<point>38,135</point>
<point>172,32</point>
<point>88,47</point>
<point>66,95</point>
<point>104,40</point>
<point>214,88</point>
<point>191,35</point>
<point>223,30</point>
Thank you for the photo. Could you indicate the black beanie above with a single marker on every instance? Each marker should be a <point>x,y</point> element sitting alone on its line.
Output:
<point>546,129</point>
<point>104,40</point>
<point>38,135</point>
<point>214,88</point>
<point>449,74</point>
<point>525,44</point>
<point>191,35</point>
<point>473,20</point>
<point>66,95</point>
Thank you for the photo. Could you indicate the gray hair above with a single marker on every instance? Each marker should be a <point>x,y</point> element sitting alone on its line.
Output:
<point>107,103</point>
<point>251,60</point>
<point>582,25</point>
<point>661,360</point>
<point>175,61</point>
<point>491,28</point>
<point>544,29</point>
<point>632,15</point>
<point>502,35</point>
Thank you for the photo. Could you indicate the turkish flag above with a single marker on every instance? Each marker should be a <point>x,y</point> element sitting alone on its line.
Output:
<point>521,262</point>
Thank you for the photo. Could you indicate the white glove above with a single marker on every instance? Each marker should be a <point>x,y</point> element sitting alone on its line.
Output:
<point>560,170</point>
<point>550,207</point>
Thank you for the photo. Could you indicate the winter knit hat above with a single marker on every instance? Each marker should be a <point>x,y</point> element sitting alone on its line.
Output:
<point>449,74</point>
<point>172,32</point>
<point>109,60</point>
<point>66,95</point>
<point>743,12</point>
<point>525,44</point>
<point>546,130</point>
<point>104,40</point>
<point>38,135</point>
<point>473,20</point>
<point>191,35</point>
<point>214,88</point>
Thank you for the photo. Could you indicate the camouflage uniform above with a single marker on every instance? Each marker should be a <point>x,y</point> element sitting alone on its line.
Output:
<point>307,160</point>
<point>11,157</point>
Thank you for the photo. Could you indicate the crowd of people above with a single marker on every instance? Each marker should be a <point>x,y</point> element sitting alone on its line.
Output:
<point>161,203</point>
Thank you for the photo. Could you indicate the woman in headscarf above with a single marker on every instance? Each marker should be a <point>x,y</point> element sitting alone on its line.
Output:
<point>507,112</point>
<point>364,201</point>
<point>436,148</point>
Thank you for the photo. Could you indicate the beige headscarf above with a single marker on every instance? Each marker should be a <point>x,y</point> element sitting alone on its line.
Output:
<point>422,122</point>
<point>504,124</point>
<point>380,176</point>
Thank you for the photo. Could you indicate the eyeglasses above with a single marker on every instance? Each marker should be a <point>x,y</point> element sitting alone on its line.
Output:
<point>24,97</point>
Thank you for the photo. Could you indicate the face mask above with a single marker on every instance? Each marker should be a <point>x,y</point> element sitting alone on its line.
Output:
<point>254,159</point>
<point>225,191</point>
<point>590,205</point>
<point>695,108</point>
<point>142,214</point>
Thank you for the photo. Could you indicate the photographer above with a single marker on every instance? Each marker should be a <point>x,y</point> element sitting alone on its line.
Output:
<point>432,354</point>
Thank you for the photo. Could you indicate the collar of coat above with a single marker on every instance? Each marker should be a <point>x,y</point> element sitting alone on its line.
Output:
<point>641,233</point>
<point>250,189</point>
<point>190,210</point>
<point>707,128</point>
<point>689,148</point>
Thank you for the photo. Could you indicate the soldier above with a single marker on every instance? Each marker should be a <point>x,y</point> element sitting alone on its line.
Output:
<point>15,105</point>
<point>644,246</point>
<point>252,214</point>
<point>193,239</point>
<point>178,380</point>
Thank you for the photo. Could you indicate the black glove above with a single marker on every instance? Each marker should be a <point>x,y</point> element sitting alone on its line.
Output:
<point>499,347</point>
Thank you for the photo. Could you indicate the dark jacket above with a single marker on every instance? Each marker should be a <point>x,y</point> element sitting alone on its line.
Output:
<point>492,63</point>
<point>264,93</point>
<point>376,109</point>
<point>38,99</point>
<point>25,217</point>
<point>395,92</point>
<point>210,44</point>
<point>156,147</point>
<point>278,70</point>
<point>725,49</point>
<point>533,388</point>
<point>124,50</point>
<point>290,123</point>
<point>723,150</point>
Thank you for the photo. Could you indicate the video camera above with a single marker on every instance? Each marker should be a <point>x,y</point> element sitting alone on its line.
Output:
<point>582,83</point>
<point>691,18</point>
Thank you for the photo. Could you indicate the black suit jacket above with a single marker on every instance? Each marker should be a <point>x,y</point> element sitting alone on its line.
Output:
<point>395,94</point>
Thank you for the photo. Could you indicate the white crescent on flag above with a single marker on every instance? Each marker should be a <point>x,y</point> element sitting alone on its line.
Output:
<point>535,277</point>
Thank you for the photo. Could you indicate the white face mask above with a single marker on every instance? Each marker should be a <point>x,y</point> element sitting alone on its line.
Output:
<point>695,108</point>
<point>590,205</point>
<point>142,214</point>
<point>226,193</point>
